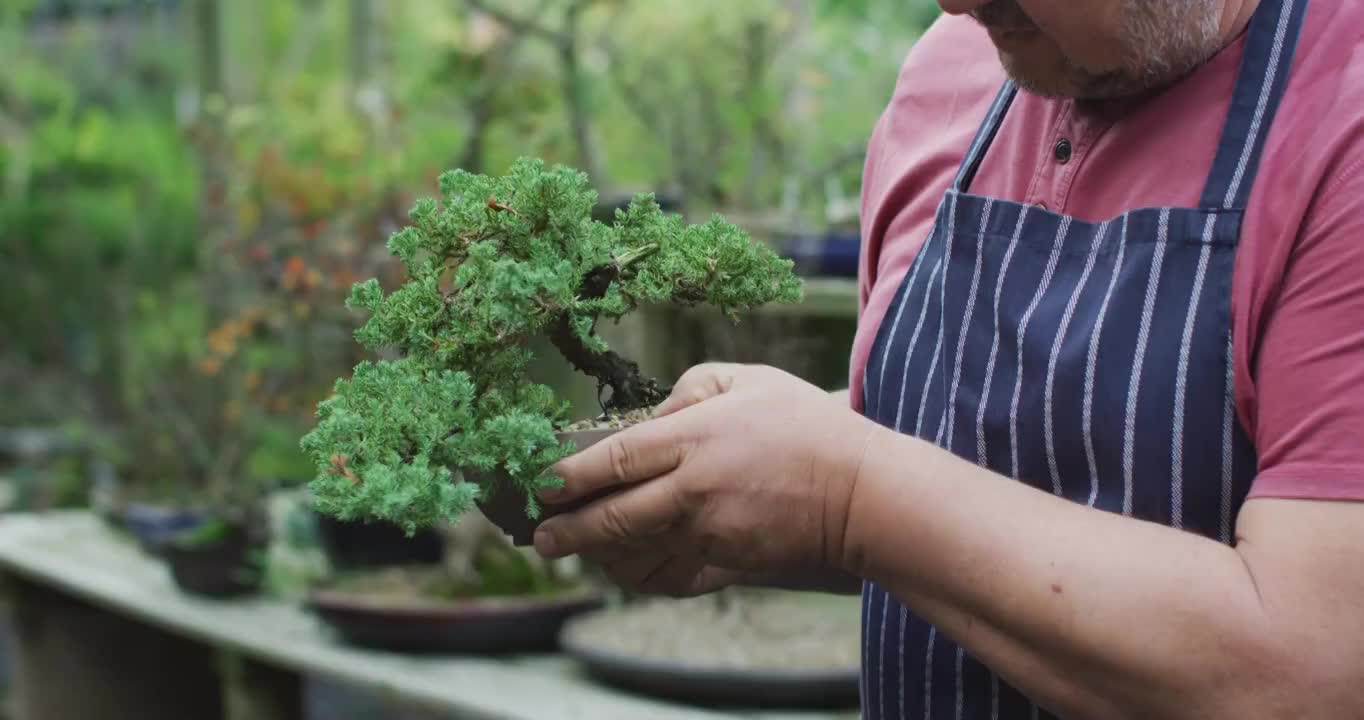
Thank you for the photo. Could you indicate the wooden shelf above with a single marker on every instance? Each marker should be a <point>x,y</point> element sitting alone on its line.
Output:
<point>75,555</point>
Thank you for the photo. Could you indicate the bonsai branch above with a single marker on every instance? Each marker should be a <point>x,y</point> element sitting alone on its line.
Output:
<point>339,467</point>
<point>493,204</point>
<point>630,389</point>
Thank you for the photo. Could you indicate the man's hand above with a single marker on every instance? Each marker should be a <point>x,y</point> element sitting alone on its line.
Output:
<point>745,471</point>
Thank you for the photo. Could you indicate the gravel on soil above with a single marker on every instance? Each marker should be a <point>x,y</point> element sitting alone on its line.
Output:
<point>614,421</point>
<point>774,632</point>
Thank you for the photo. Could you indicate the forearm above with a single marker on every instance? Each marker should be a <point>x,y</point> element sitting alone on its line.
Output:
<point>1092,614</point>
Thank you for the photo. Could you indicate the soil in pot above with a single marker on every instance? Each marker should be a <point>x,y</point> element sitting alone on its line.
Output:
<point>358,544</point>
<point>506,507</point>
<point>740,647</point>
<point>217,559</point>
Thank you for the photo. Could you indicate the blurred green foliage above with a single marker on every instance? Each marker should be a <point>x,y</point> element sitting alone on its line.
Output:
<point>187,193</point>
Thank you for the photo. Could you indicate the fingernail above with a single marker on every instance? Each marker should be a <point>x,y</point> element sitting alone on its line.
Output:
<point>545,544</point>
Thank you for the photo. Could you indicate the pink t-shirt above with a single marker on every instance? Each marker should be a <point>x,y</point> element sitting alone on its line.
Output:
<point>1298,293</point>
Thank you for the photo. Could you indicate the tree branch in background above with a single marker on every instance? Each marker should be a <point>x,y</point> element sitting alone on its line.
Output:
<point>184,426</point>
<point>522,25</point>
<point>207,23</point>
<point>575,91</point>
<point>769,152</point>
<point>565,42</point>
<point>295,57</point>
<point>229,458</point>
<point>634,90</point>
<point>481,106</point>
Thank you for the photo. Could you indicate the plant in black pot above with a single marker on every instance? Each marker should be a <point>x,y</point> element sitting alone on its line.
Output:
<point>206,428</point>
<point>449,419</point>
<point>364,543</point>
<point>486,596</point>
<point>221,557</point>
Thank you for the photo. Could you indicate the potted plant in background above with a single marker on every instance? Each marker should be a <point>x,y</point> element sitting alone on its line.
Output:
<point>181,433</point>
<point>449,418</point>
<point>485,596</point>
<point>223,556</point>
<point>203,445</point>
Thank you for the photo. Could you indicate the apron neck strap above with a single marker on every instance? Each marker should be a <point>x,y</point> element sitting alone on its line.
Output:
<point>985,135</point>
<point>1271,43</point>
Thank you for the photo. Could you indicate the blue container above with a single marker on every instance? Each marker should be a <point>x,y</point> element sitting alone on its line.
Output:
<point>155,525</point>
<point>834,253</point>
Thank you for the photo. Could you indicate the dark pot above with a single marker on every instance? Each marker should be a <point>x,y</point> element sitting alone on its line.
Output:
<point>353,545</point>
<point>223,568</point>
<point>482,626</point>
<point>717,687</point>
<point>507,507</point>
<point>155,525</point>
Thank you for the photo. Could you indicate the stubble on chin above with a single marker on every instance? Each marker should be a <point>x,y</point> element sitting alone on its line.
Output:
<point>1164,41</point>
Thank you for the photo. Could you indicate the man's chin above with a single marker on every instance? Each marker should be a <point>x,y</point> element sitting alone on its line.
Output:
<point>1061,80</point>
<point>1033,79</point>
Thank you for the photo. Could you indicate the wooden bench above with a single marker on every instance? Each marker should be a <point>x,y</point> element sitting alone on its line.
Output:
<point>100,631</point>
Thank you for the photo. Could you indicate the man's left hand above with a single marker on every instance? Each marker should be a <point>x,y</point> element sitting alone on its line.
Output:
<point>744,470</point>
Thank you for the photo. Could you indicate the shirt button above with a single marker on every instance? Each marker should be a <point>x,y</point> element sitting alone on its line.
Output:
<point>1062,151</point>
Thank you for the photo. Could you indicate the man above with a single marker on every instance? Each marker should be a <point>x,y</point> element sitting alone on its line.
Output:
<point>1107,431</point>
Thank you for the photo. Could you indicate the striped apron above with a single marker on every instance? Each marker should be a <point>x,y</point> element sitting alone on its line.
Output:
<point>1088,359</point>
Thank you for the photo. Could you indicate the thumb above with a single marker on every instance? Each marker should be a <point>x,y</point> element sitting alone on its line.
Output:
<point>700,383</point>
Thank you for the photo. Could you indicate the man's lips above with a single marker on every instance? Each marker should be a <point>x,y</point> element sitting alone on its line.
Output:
<point>1014,30</point>
<point>1018,32</point>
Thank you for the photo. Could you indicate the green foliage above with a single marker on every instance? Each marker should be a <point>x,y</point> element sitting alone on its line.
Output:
<point>386,440</point>
<point>498,262</point>
<point>210,532</point>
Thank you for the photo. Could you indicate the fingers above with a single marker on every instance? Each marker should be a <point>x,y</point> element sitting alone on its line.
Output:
<point>687,577</point>
<point>644,511</point>
<point>698,384</point>
<point>631,456</point>
<point>654,572</point>
<point>631,569</point>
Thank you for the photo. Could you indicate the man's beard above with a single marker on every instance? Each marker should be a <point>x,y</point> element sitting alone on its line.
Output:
<point>1164,40</point>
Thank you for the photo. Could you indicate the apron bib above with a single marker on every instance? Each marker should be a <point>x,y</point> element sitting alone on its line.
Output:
<point>1090,360</point>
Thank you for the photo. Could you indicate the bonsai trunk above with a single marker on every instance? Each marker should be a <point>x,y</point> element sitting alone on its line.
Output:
<point>630,390</point>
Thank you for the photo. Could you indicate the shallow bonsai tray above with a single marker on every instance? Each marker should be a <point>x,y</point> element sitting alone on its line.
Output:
<point>479,626</point>
<point>717,686</point>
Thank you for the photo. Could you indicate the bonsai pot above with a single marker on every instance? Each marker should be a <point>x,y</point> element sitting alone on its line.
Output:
<point>350,545</point>
<point>833,253</point>
<point>155,525</point>
<point>506,508</point>
<point>774,650</point>
<point>723,687</point>
<point>491,625</point>
<point>222,567</point>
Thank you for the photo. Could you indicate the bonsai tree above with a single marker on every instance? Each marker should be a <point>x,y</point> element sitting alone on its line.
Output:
<point>497,262</point>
